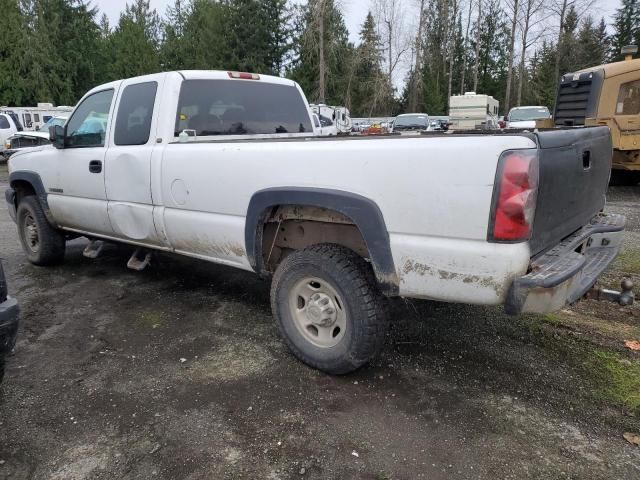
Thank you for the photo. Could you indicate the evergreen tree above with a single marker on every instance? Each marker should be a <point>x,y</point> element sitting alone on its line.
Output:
<point>12,36</point>
<point>174,50</point>
<point>492,53</point>
<point>592,43</point>
<point>371,93</point>
<point>626,26</point>
<point>305,67</point>
<point>134,42</point>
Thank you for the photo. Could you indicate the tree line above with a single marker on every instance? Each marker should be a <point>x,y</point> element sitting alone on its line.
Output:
<point>410,55</point>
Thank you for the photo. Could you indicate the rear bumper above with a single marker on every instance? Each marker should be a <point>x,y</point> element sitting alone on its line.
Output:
<point>8,324</point>
<point>10,197</point>
<point>564,274</point>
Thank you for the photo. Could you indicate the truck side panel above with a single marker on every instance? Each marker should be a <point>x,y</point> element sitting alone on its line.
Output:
<point>215,182</point>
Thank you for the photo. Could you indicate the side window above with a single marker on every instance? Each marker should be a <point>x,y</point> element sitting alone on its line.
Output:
<point>36,117</point>
<point>4,123</point>
<point>629,99</point>
<point>27,120</point>
<point>88,124</point>
<point>46,118</point>
<point>135,111</point>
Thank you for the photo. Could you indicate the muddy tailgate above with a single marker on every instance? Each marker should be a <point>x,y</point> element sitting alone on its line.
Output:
<point>574,172</point>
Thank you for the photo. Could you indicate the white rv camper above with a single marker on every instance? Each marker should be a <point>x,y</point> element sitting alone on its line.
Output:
<point>333,120</point>
<point>472,111</point>
<point>32,118</point>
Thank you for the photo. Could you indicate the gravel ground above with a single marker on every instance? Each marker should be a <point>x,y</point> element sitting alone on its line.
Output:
<point>178,372</point>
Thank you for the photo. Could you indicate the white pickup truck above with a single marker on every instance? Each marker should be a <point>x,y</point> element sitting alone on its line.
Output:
<point>224,167</point>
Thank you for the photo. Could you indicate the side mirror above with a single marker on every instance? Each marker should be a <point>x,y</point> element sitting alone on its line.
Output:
<point>57,134</point>
<point>505,119</point>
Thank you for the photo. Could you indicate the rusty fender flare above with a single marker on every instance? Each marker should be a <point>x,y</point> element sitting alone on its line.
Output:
<point>364,213</point>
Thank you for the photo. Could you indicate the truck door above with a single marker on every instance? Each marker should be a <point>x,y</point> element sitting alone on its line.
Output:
<point>128,161</point>
<point>76,195</point>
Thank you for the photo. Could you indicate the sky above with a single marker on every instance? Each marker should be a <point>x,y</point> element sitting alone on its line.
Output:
<point>354,11</point>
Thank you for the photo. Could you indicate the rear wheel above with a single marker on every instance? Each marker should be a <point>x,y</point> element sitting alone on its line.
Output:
<point>328,308</point>
<point>42,243</point>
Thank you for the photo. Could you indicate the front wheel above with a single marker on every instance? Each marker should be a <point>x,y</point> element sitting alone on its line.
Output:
<point>328,308</point>
<point>42,243</point>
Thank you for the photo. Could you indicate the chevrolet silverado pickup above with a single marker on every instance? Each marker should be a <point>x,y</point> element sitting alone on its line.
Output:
<point>225,167</point>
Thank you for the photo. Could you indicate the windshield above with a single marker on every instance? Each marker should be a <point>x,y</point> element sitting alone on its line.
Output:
<point>412,121</point>
<point>525,114</point>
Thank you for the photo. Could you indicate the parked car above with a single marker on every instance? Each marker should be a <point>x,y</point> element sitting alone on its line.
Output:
<point>225,167</point>
<point>28,139</point>
<point>411,123</point>
<point>525,117</point>
<point>8,322</point>
<point>9,125</point>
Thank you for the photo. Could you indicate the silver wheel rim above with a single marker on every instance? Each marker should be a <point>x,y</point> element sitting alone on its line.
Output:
<point>31,237</point>
<point>318,312</point>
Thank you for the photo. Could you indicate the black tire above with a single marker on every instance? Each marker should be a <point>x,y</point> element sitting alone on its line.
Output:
<point>359,300</point>
<point>42,243</point>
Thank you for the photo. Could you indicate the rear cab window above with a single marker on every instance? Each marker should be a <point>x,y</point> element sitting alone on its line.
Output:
<point>135,112</point>
<point>4,123</point>
<point>240,107</point>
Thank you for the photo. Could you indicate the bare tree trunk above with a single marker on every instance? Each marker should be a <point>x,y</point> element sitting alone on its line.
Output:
<point>563,12</point>
<point>416,80</point>
<point>321,59</point>
<point>390,30</point>
<point>512,45</point>
<point>525,37</point>
<point>452,47</point>
<point>466,41</point>
<point>476,68</point>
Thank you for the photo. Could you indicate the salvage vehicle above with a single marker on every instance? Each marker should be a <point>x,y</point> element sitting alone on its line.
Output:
<point>473,111</point>
<point>225,167</point>
<point>525,117</point>
<point>9,125</point>
<point>8,322</point>
<point>28,139</point>
<point>607,95</point>
<point>411,123</point>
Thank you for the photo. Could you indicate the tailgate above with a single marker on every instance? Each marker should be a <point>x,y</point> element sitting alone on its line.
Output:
<point>575,165</point>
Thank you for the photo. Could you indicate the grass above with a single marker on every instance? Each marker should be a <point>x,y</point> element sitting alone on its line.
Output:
<point>618,378</point>
<point>628,261</point>
<point>614,376</point>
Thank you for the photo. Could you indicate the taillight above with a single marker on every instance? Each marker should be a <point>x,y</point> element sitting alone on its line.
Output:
<point>244,76</point>
<point>514,200</point>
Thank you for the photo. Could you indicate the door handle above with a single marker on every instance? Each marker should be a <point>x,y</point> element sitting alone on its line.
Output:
<point>95,166</point>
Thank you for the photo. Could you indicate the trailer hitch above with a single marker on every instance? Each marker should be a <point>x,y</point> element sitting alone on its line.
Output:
<point>625,298</point>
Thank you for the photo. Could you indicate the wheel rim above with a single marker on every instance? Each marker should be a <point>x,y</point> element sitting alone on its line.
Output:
<point>30,231</point>
<point>318,312</point>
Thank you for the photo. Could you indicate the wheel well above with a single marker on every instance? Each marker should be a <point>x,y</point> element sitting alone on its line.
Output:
<point>287,228</point>
<point>22,189</point>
